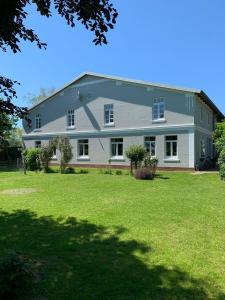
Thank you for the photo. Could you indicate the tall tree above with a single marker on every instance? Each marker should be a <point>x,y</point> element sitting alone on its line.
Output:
<point>34,99</point>
<point>96,15</point>
<point>7,125</point>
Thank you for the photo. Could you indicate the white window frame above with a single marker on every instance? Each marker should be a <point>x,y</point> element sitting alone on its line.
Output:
<point>202,143</point>
<point>37,121</point>
<point>82,143</point>
<point>71,118</point>
<point>109,114</point>
<point>146,142</point>
<point>158,103</point>
<point>37,144</point>
<point>114,142</point>
<point>172,157</point>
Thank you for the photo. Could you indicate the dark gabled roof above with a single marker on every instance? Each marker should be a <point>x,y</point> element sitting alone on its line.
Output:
<point>197,92</point>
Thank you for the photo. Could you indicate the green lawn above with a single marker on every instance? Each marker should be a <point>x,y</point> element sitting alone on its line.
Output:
<point>113,237</point>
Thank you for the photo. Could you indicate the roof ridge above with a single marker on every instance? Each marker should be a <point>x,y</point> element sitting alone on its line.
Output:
<point>134,81</point>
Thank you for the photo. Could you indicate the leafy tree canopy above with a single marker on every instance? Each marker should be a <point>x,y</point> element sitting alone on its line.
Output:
<point>219,140</point>
<point>7,126</point>
<point>97,16</point>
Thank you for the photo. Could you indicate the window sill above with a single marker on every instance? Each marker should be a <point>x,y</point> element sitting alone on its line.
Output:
<point>70,128</point>
<point>172,160</point>
<point>117,158</point>
<point>109,125</point>
<point>159,121</point>
<point>83,158</point>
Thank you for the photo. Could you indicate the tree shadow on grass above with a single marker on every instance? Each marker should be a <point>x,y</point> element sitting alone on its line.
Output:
<point>161,176</point>
<point>83,261</point>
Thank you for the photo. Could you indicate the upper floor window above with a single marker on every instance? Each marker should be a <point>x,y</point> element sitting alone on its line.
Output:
<point>37,144</point>
<point>158,109</point>
<point>171,146</point>
<point>117,147</point>
<point>108,114</point>
<point>83,148</point>
<point>37,121</point>
<point>150,145</point>
<point>71,118</point>
<point>202,149</point>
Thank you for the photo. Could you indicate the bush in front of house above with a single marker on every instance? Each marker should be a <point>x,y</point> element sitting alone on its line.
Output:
<point>143,173</point>
<point>151,163</point>
<point>135,154</point>
<point>83,171</point>
<point>46,153</point>
<point>219,141</point>
<point>221,163</point>
<point>69,170</point>
<point>32,159</point>
<point>62,143</point>
<point>118,172</point>
<point>18,275</point>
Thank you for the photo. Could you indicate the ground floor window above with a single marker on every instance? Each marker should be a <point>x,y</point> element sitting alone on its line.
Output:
<point>117,147</point>
<point>83,148</point>
<point>37,144</point>
<point>171,146</point>
<point>150,145</point>
<point>202,149</point>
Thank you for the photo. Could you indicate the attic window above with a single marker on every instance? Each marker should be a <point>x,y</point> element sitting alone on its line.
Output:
<point>38,121</point>
<point>159,109</point>
<point>70,118</point>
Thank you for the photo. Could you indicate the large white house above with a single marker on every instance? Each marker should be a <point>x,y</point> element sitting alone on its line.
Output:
<point>104,115</point>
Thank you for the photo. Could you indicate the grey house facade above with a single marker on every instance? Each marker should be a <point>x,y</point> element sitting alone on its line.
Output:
<point>104,115</point>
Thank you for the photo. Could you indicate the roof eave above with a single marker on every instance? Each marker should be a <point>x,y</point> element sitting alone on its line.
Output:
<point>210,103</point>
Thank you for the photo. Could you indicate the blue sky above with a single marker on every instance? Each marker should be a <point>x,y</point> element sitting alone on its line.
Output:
<point>176,42</point>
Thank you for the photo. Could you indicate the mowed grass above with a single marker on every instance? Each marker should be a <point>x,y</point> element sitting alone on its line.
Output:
<point>107,237</point>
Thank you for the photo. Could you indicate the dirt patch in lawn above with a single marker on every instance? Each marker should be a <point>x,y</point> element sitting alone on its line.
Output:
<point>20,191</point>
<point>204,172</point>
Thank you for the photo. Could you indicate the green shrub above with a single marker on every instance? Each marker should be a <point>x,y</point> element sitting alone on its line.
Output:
<point>219,141</point>
<point>108,171</point>
<point>62,143</point>
<point>69,170</point>
<point>52,170</point>
<point>83,171</point>
<point>31,158</point>
<point>143,173</point>
<point>46,153</point>
<point>221,163</point>
<point>150,162</point>
<point>135,154</point>
<point>222,171</point>
<point>118,172</point>
<point>18,274</point>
